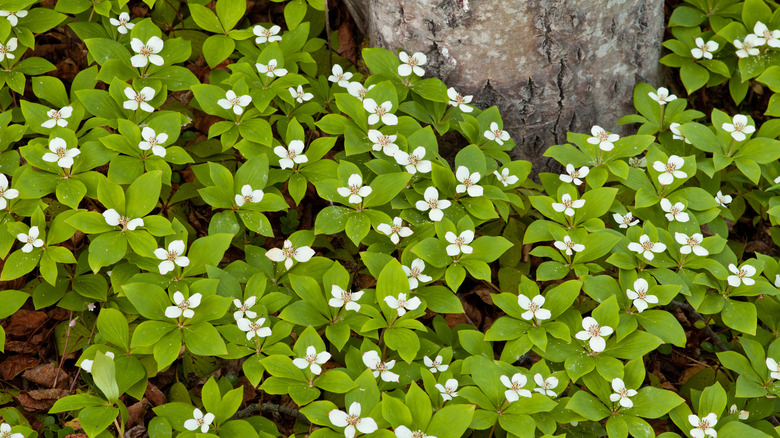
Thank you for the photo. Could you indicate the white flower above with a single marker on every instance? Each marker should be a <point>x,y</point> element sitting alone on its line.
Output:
<point>739,127</point>
<point>415,273</point>
<point>646,248</point>
<point>741,275</point>
<point>253,329</point>
<point>459,244</point>
<point>5,192</point>
<point>60,153</point>
<point>30,239</point>
<point>91,307</point>
<point>770,38</point>
<point>412,64</point>
<point>567,205</point>
<point>533,308</point>
<point>114,219</point>
<point>674,212</point>
<point>594,334</point>
<point>622,394</point>
<point>312,360</point>
<point>339,76</point>
<point>237,103</point>
<point>396,231</point>
<point>266,35</point>
<point>448,390</point>
<point>405,432</point>
<point>139,100</point>
<point>243,308</point>
<point>381,369</point>
<point>703,426</point>
<point>85,365</point>
<point>505,178</point>
<point>625,221</point>
<point>637,162</point>
<point>358,90</point>
<point>431,201</point>
<point>496,134</point>
<point>743,415</point>
<point>774,368</point>
<point>5,50</point>
<point>287,253</point>
<point>604,139</point>
<point>292,155</point>
<point>13,18</point>
<point>384,143</point>
<point>171,257</point>
<point>704,50</point>
<point>122,23</point>
<point>271,69</point>
<point>352,421</point>
<point>468,182</point>
<point>676,134</point>
<point>183,306</point>
<point>435,365</point>
<point>199,420</point>
<point>747,47</point>
<point>662,96</point>
<point>413,162</point>
<point>299,95</point>
<point>146,53</point>
<point>640,296</point>
<point>72,322</point>
<point>401,304</point>
<point>546,386</point>
<point>459,101</point>
<point>568,245</point>
<point>248,195</point>
<point>58,117</point>
<point>573,175</point>
<point>380,112</point>
<point>515,386</point>
<point>692,243</point>
<point>355,190</point>
<point>153,141</point>
<point>777,280</point>
<point>722,199</point>
<point>669,171</point>
<point>342,297</point>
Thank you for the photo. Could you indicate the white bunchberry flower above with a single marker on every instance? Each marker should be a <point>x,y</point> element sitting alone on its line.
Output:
<point>567,205</point>
<point>292,155</point>
<point>199,421</point>
<point>405,432</point>
<point>60,153</point>
<point>13,18</point>
<point>299,95</point>
<point>30,239</point>
<point>380,112</point>
<point>573,175</point>
<point>703,426</point>
<point>266,35</point>
<point>435,365</point>
<point>594,334</point>
<point>625,221</point>
<point>691,244</point>
<point>568,245</point>
<point>58,117</point>
<point>676,134</point>
<point>459,243</point>
<point>384,143</point>
<point>604,139</point>
<point>741,275</point>
<point>622,394</point>
<point>358,90</point>
<point>171,257</point>
<point>640,296</point>
<point>415,273</point>
<point>722,200</point>
<point>248,195</point>
<point>646,248</point>
<point>448,390</point>
<point>413,162</point>
<point>6,193</point>
<point>704,50</point>
<point>546,386</point>
<point>254,328</point>
<point>122,23</point>
<point>496,134</point>
<point>637,162</point>
<point>662,96</point>
<point>355,189</point>
<point>85,364</point>
<point>380,369</point>
<point>468,182</point>
<point>352,421</point>
<point>287,253</point>
<point>396,230</point>
<point>153,141</point>
<point>770,37</point>
<point>139,99</point>
<point>739,127</point>
<point>432,202</point>
<point>146,53</point>
<point>243,308</point>
<point>505,178</point>
<point>533,308</point>
<point>774,368</point>
<point>339,76</point>
<point>674,212</point>
<point>515,386</point>
<point>402,304</point>
<point>411,64</point>
<point>183,306</point>
<point>6,49</point>
<point>312,360</point>
<point>459,101</point>
<point>271,69</point>
<point>670,170</point>
<point>747,47</point>
<point>234,102</point>
<point>344,298</point>
<point>114,219</point>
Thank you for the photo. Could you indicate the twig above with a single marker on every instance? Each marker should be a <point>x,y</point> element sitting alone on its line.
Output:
<point>327,33</point>
<point>698,317</point>
<point>271,407</point>
<point>64,351</point>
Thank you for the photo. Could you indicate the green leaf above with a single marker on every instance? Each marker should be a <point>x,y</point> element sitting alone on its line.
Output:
<point>218,48</point>
<point>104,375</point>
<point>12,301</point>
<point>113,326</point>
<point>204,18</point>
<point>230,12</point>
<point>451,421</point>
<point>143,194</point>
<point>588,406</point>
<point>207,250</point>
<point>335,381</point>
<point>386,187</point>
<point>404,341</point>
<point>95,420</point>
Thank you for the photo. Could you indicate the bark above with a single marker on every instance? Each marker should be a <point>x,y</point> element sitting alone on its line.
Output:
<point>551,66</point>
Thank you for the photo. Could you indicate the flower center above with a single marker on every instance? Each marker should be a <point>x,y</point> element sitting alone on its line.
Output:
<point>346,296</point>
<point>173,255</point>
<point>705,47</point>
<point>570,244</point>
<point>575,174</point>
<point>2,192</point>
<point>248,198</point>
<point>414,273</point>
<point>741,273</point>
<point>122,22</point>
<point>253,326</point>
<point>300,95</point>
<point>288,252</point>
<point>234,101</point>
<point>641,294</point>
<point>594,331</point>
<point>412,61</point>
<point>271,67</point>
<point>384,140</point>
<point>670,168</point>
<point>739,126</point>
<point>704,424</point>
<point>184,305</point>
<point>61,152</point>
<point>436,364</point>
<point>30,239</point>
<point>768,35</point>
<point>146,51</point>
<point>545,385</point>
<point>626,220</point>
<point>353,420</point>
<point>623,392</point>
<point>4,49</point>
<point>380,111</point>
<point>467,182</point>
<point>140,97</point>
<point>200,421</point>
<point>692,242</point>
<point>647,246</point>
<point>516,386</point>
<point>354,189</point>
<point>267,33</point>
<point>533,307</point>
<point>395,229</point>
<point>381,367</point>
<point>418,434</point>
<point>498,133</point>
<point>459,100</point>
<point>567,203</point>
<point>123,222</point>
<point>459,241</point>
<point>746,46</point>
<point>674,211</point>
<point>291,154</point>
<point>433,203</point>
<point>152,141</point>
<point>414,160</point>
<point>448,390</point>
<point>56,115</point>
<point>603,136</point>
<point>362,93</point>
<point>311,358</point>
<point>401,303</point>
<point>662,96</point>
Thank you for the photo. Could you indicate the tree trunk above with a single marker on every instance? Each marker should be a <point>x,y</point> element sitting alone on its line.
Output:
<point>551,66</point>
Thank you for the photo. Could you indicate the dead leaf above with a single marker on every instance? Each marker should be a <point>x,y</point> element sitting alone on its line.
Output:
<point>16,364</point>
<point>24,322</point>
<point>154,395</point>
<point>40,399</point>
<point>348,48</point>
<point>485,293</point>
<point>136,413</point>
<point>45,375</point>
<point>137,432</point>
<point>75,424</point>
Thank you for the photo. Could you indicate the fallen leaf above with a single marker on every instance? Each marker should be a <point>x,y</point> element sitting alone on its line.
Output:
<point>154,395</point>
<point>24,322</point>
<point>40,399</point>
<point>136,413</point>
<point>16,364</point>
<point>45,374</point>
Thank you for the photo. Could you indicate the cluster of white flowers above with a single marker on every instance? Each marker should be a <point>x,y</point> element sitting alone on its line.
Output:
<point>662,96</point>
<point>115,219</point>
<point>352,421</point>
<point>515,387</point>
<point>573,175</point>
<point>415,273</point>
<point>152,140</point>
<point>271,69</point>
<point>533,308</point>
<point>312,360</point>
<point>172,257</point>
<point>139,99</point>
<point>13,18</point>
<point>594,334</point>
<point>199,421</point>
<point>343,298</point>
<point>741,275</point>
<point>60,153</point>
<point>7,48</point>
<point>396,230</point>
<point>235,102</point>
<point>704,50</point>
<point>147,53</point>
<point>622,394</point>
<point>761,35</point>
<point>30,239</point>
<point>58,117</point>
<point>122,23</point>
<point>380,368</point>
<point>646,248</point>
<point>264,35</point>
<point>184,306</point>
<point>703,426</point>
<point>739,127</point>
<point>602,138</point>
<point>291,155</point>
<point>248,195</point>
<point>432,204</point>
<point>639,295</point>
<point>288,252</point>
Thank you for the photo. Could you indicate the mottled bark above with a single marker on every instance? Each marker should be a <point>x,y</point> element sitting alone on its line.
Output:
<point>551,66</point>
